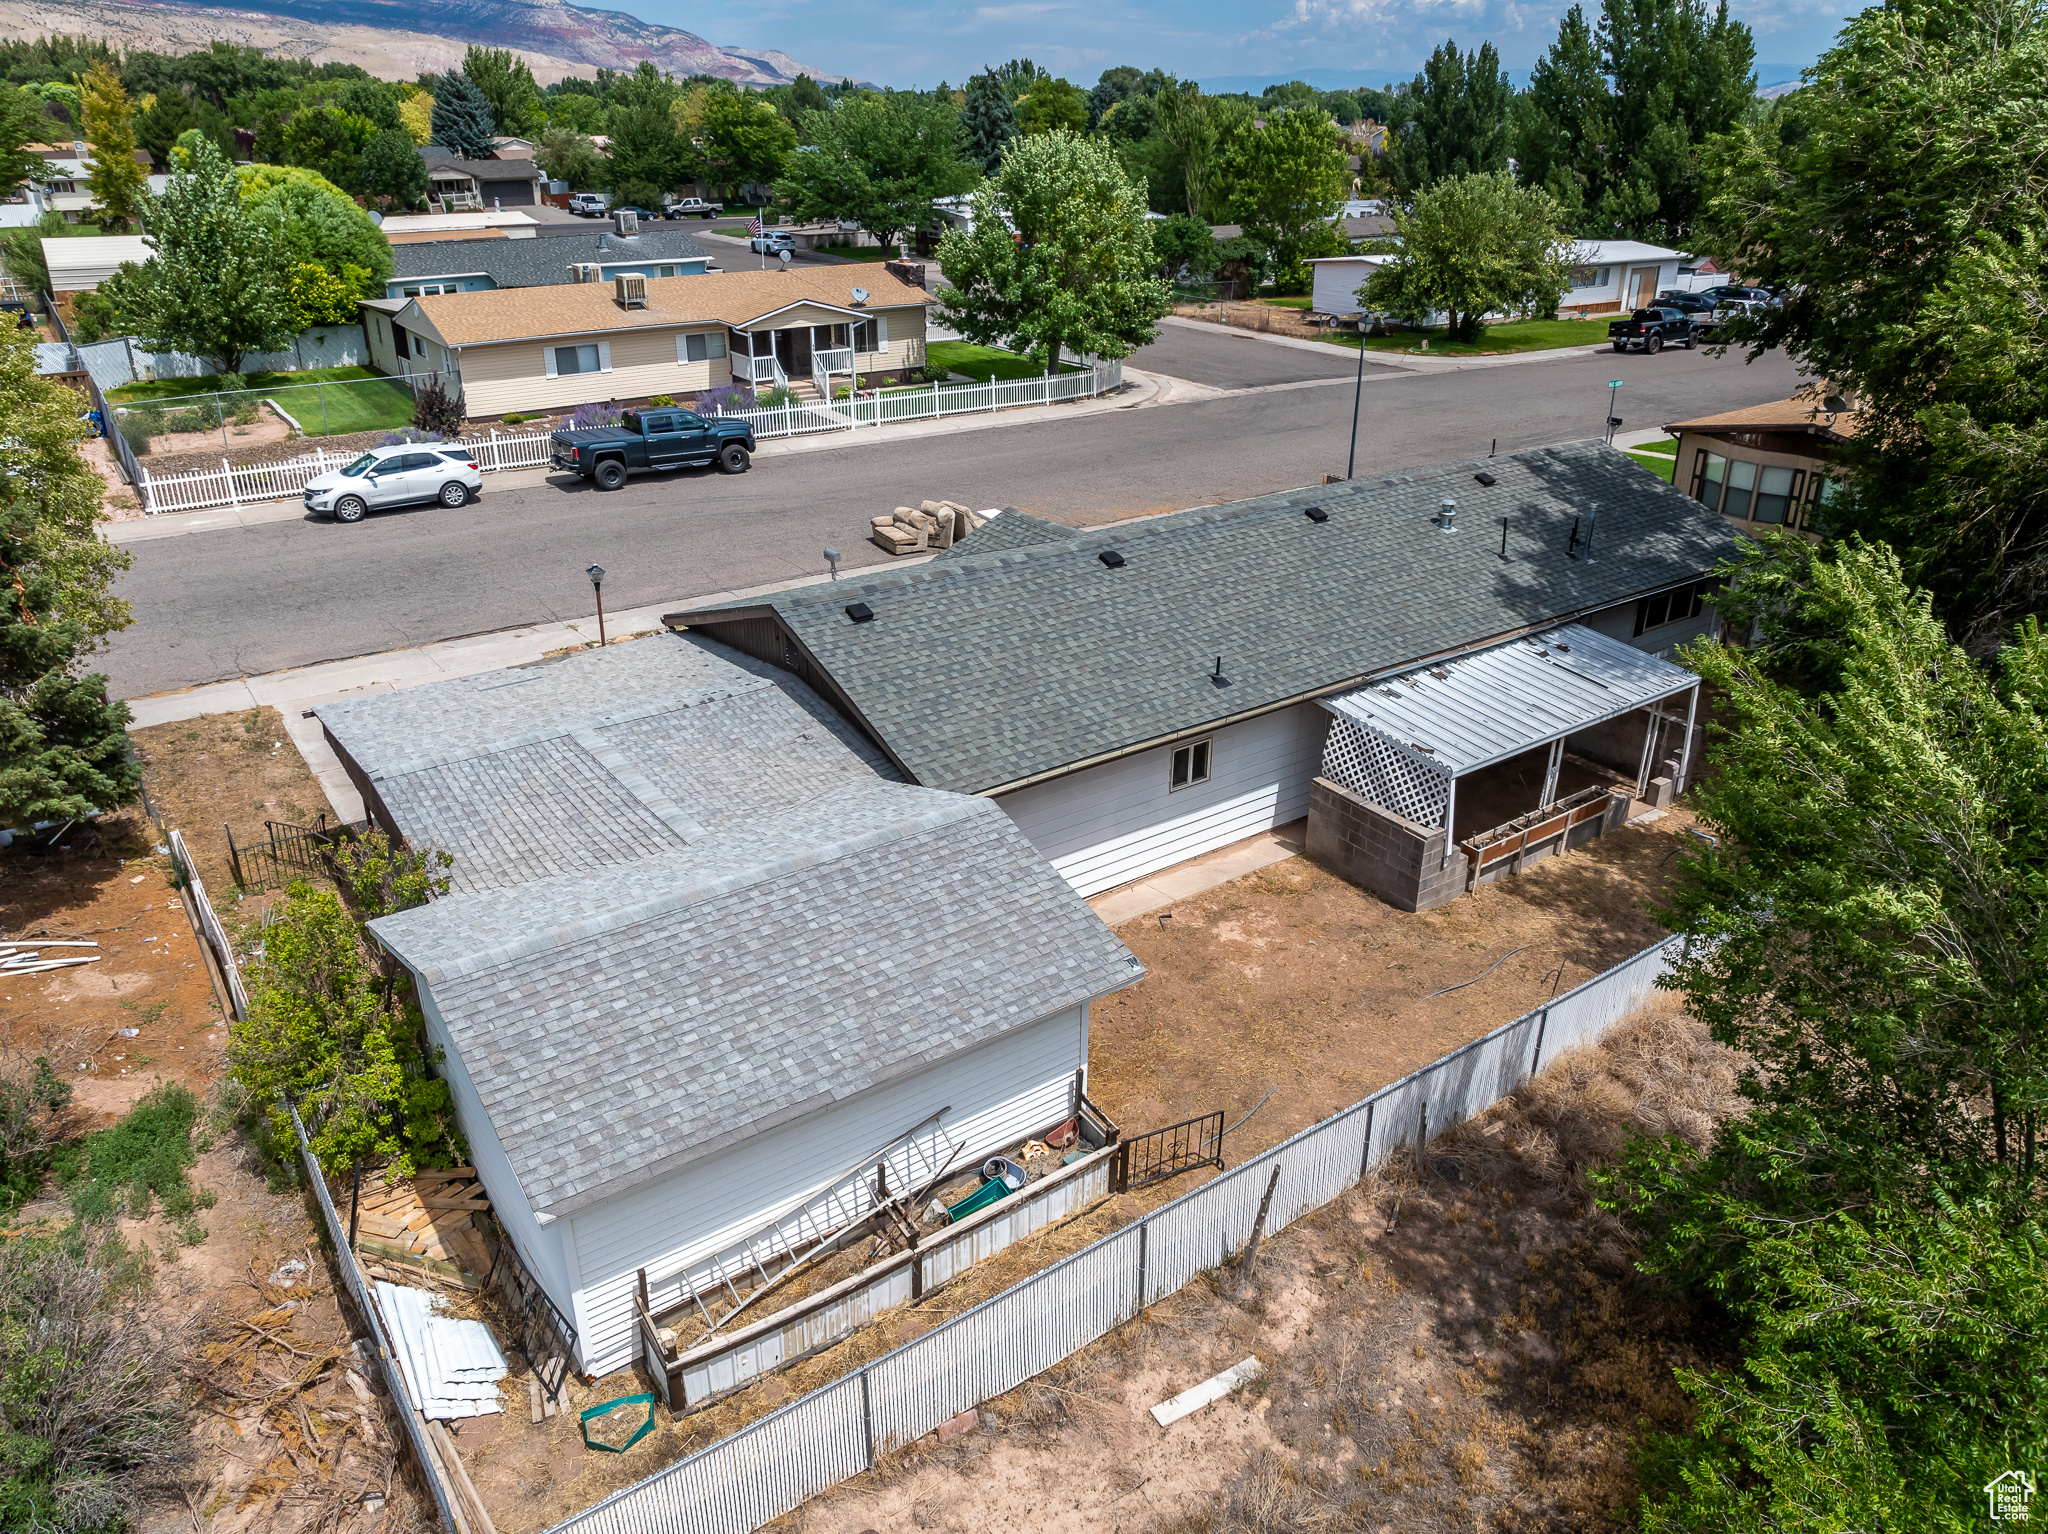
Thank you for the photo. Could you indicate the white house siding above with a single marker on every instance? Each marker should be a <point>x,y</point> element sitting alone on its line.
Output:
<point>540,1246</point>
<point>1111,824</point>
<point>514,375</point>
<point>383,342</point>
<point>1337,281</point>
<point>998,1093</point>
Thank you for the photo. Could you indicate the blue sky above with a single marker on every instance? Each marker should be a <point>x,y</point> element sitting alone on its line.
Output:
<point>1365,41</point>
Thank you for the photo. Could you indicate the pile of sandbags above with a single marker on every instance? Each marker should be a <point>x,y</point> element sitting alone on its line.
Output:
<point>932,525</point>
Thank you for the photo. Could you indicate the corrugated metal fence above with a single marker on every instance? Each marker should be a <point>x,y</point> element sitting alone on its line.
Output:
<point>210,929</point>
<point>836,1432</point>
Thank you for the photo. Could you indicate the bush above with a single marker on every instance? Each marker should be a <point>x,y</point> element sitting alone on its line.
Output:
<point>434,411</point>
<point>514,419</point>
<point>134,430</point>
<point>724,398</point>
<point>933,373</point>
<point>777,398</point>
<point>587,416</point>
<point>93,317</point>
<point>26,1108</point>
<point>142,1158</point>
<point>246,410</point>
<point>661,401</point>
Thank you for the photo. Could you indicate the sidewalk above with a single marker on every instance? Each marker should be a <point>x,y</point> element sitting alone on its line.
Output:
<point>292,693</point>
<point>1406,362</point>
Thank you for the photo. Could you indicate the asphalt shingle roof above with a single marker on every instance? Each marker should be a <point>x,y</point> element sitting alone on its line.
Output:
<point>1012,530</point>
<point>989,667</point>
<point>689,903</point>
<point>539,263</point>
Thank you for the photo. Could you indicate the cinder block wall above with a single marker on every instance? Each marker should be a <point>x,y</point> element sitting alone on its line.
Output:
<point>1396,859</point>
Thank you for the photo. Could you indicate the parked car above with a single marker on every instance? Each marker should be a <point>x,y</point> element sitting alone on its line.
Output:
<point>1685,303</point>
<point>771,242</point>
<point>589,204</point>
<point>1728,291</point>
<point>1652,330</point>
<point>652,439</point>
<point>636,210</point>
<point>407,475</point>
<point>690,207</point>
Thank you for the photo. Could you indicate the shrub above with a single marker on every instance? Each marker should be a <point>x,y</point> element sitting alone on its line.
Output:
<point>934,373</point>
<point>777,398</point>
<point>26,1108</point>
<point>134,430</point>
<point>231,383</point>
<point>514,419</point>
<point>142,1158</point>
<point>662,401</point>
<point>406,434</point>
<point>247,408</point>
<point>433,410</point>
<point>94,317</point>
<point>587,416</point>
<point>724,398</point>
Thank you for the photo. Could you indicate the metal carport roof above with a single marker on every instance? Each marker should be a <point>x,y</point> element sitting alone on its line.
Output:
<point>1463,714</point>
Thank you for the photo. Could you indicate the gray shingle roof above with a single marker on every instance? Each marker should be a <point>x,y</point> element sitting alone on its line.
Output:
<point>539,263</point>
<point>484,170</point>
<point>689,904</point>
<point>1012,530</point>
<point>992,666</point>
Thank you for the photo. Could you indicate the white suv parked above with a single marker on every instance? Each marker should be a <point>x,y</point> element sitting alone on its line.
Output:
<point>397,476</point>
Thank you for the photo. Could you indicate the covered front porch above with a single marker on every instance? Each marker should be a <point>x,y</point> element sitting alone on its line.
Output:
<point>811,349</point>
<point>1467,770</point>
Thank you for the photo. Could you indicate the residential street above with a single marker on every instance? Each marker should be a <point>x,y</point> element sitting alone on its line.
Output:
<point>244,600</point>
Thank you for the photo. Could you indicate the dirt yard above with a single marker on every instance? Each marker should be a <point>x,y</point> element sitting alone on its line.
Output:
<point>1463,1346</point>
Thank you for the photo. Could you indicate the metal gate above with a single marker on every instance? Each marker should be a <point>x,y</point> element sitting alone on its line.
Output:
<point>287,849</point>
<point>1170,1151</point>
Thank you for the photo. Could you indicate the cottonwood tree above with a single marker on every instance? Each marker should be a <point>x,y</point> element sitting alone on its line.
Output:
<point>1455,120</point>
<point>217,285</point>
<point>881,160</point>
<point>21,124</point>
<point>567,155</point>
<point>63,746</point>
<point>1079,272</point>
<point>118,182</point>
<point>1471,246</point>
<point>1285,182</point>
<point>732,138</point>
<point>1200,131</point>
<point>316,221</point>
<point>393,170</point>
<point>508,88</point>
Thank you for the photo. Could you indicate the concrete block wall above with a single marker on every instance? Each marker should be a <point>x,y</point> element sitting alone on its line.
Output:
<point>1394,858</point>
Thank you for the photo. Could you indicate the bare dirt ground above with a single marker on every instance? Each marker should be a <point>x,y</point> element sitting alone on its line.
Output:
<point>1460,1346</point>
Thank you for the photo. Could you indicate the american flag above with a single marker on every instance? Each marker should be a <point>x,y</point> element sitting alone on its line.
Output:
<point>756,224</point>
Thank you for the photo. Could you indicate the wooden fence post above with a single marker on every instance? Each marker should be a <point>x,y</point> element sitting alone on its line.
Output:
<point>1250,1259</point>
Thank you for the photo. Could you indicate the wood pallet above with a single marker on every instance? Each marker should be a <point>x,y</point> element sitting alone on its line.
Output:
<point>421,1221</point>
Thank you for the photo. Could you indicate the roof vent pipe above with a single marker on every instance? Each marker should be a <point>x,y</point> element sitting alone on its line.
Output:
<point>1592,521</point>
<point>1447,515</point>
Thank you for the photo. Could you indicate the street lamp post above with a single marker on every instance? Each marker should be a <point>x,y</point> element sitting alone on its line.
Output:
<point>596,574</point>
<point>1357,394</point>
<point>1613,398</point>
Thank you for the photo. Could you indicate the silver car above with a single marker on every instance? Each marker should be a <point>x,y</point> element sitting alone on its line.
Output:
<point>406,475</point>
<point>772,243</point>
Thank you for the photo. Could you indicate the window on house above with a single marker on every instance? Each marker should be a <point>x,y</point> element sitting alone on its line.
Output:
<point>1741,486</point>
<point>702,348</point>
<point>668,271</point>
<point>419,346</point>
<point>1190,765</point>
<point>1709,475</point>
<point>575,359</point>
<point>1776,490</point>
<point>1673,606</point>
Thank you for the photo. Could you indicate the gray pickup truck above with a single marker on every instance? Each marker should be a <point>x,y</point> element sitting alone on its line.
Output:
<point>652,439</point>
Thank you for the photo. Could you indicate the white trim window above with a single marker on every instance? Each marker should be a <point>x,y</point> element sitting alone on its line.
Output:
<point>586,357</point>
<point>700,346</point>
<point>1191,764</point>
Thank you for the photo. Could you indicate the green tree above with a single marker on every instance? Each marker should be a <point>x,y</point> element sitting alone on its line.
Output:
<point>63,747</point>
<point>118,183</point>
<point>737,139</point>
<point>216,286</point>
<point>508,87</point>
<point>1907,230</point>
<point>1184,246</point>
<point>157,128</point>
<point>462,120</point>
<point>1285,183</point>
<point>1200,131</point>
<point>804,96</point>
<point>646,153</point>
<point>1563,127</point>
<point>1078,273</point>
<point>21,124</point>
<point>1680,75</point>
<point>1457,120</point>
<point>1051,104</point>
<point>372,100</point>
<point>567,155</point>
<point>21,247</point>
<point>316,221</point>
<point>987,122</point>
<point>328,142</point>
<point>880,159</point>
<point>1470,246</point>
<point>393,170</point>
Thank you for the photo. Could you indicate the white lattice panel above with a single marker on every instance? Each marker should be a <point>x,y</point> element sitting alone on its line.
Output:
<point>1381,775</point>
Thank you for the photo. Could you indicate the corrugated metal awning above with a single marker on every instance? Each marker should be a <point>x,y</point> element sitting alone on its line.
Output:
<point>1485,707</point>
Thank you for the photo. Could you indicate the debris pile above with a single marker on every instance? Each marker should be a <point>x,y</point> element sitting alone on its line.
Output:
<point>406,1229</point>
<point>930,525</point>
<point>29,958</point>
<point>452,1367</point>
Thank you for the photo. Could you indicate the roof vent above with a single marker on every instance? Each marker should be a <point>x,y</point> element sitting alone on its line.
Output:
<point>1486,479</point>
<point>1110,557</point>
<point>586,271</point>
<point>1316,514</point>
<point>1447,515</point>
<point>630,289</point>
<point>859,612</point>
<point>626,221</point>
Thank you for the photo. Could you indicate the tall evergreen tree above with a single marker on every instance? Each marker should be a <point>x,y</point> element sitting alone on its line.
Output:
<point>987,123</point>
<point>1458,121</point>
<point>462,119</point>
<point>1563,126</point>
<point>118,183</point>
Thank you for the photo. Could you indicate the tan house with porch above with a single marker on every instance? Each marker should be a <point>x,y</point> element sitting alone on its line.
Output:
<point>813,330</point>
<point>1767,465</point>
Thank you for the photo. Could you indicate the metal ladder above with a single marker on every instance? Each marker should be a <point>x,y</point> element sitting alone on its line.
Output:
<point>781,1244</point>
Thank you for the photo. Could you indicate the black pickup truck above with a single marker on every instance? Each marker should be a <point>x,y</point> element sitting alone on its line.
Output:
<point>1652,330</point>
<point>653,439</point>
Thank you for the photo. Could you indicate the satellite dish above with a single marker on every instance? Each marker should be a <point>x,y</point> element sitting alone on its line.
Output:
<point>782,256</point>
<point>860,296</point>
<point>376,218</point>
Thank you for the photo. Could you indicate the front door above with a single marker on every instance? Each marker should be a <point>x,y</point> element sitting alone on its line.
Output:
<point>1642,287</point>
<point>793,351</point>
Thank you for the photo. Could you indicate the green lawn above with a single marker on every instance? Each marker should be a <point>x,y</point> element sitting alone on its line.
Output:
<point>861,252</point>
<point>1515,336</point>
<point>326,402</point>
<point>981,363</point>
<point>1660,458</point>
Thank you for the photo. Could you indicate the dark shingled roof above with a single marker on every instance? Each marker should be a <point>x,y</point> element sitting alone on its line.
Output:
<point>993,666</point>
<point>539,263</point>
<point>681,885</point>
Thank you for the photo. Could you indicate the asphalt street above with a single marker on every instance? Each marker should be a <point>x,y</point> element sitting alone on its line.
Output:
<point>217,604</point>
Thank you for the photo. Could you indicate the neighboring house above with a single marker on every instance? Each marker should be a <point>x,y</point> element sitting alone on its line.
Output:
<point>1766,466</point>
<point>705,962</point>
<point>511,225</point>
<point>425,268</point>
<point>537,349</point>
<point>64,185</point>
<point>470,186</point>
<point>1140,694</point>
<point>1614,275</point>
<point>80,263</point>
<point>513,149</point>
<point>1335,281</point>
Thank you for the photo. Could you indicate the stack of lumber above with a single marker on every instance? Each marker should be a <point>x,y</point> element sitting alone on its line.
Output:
<point>422,1224</point>
<point>930,525</point>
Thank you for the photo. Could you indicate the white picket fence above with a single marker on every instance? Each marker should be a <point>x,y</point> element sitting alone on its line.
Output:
<point>200,489</point>
<point>758,1474</point>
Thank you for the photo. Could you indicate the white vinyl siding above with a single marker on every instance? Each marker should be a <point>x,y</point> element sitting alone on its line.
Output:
<point>501,377</point>
<point>572,358</point>
<point>700,347</point>
<point>1013,1086</point>
<point>1123,820</point>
